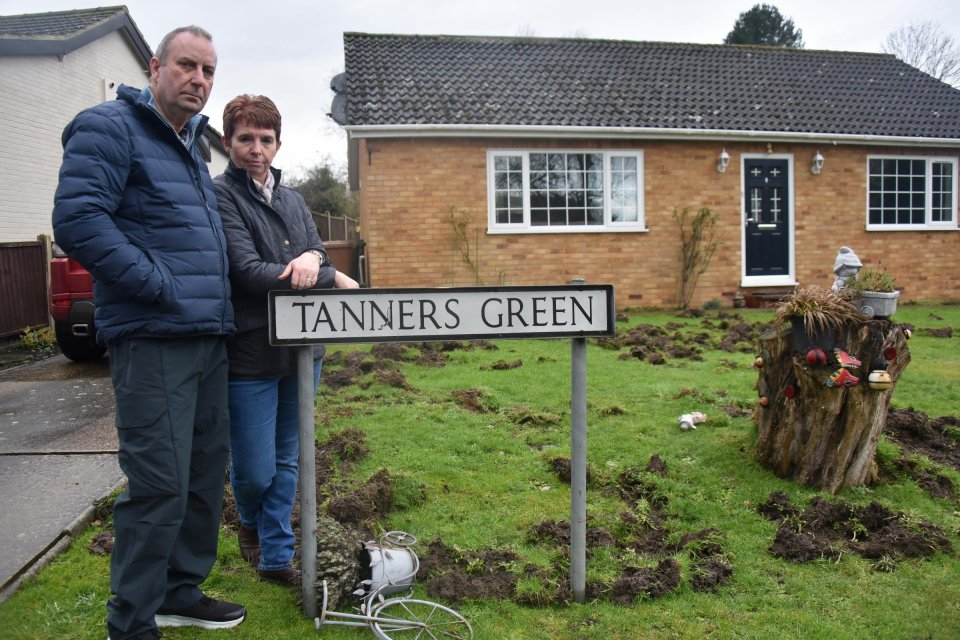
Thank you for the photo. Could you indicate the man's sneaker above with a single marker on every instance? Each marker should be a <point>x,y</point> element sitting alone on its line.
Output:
<point>207,613</point>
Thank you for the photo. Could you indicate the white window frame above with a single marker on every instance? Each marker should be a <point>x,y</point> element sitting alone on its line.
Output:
<point>928,224</point>
<point>608,226</point>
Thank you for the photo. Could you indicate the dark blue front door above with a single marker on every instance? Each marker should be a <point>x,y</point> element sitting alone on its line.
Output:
<point>766,218</point>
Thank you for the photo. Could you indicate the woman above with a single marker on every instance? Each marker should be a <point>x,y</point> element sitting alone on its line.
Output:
<point>272,243</point>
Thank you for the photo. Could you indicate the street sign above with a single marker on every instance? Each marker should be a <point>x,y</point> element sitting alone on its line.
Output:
<point>421,314</point>
<point>329,316</point>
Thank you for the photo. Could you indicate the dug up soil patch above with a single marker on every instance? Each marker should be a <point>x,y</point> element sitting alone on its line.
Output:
<point>829,528</point>
<point>455,575</point>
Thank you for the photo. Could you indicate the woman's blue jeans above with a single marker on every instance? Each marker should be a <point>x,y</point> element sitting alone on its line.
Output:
<point>264,445</point>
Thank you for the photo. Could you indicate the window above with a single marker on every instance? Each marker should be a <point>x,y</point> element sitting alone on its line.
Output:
<point>565,191</point>
<point>911,193</point>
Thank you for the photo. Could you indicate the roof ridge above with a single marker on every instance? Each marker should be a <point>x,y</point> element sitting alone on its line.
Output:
<point>620,41</point>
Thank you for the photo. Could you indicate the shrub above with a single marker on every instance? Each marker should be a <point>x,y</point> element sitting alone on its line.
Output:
<point>39,341</point>
<point>874,280</point>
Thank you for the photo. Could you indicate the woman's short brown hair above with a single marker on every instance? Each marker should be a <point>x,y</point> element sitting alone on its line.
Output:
<point>256,111</point>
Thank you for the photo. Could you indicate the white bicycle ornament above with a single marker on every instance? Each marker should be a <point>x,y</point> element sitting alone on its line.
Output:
<point>393,569</point>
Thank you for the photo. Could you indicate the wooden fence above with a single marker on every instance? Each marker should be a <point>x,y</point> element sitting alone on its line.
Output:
<point>23,286</point>
<point>336,228</point>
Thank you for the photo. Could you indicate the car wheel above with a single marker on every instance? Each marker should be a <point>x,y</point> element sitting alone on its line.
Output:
<point>77,348</point>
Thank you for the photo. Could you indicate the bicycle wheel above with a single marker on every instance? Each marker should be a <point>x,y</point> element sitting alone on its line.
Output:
<point>418,619</point>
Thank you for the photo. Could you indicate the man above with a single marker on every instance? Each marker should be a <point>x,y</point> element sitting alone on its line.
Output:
<point>135,205</point>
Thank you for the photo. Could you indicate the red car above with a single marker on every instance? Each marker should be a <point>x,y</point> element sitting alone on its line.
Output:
<point>71,306</point>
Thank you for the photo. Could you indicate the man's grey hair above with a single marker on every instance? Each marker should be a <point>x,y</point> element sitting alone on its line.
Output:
<point>165,43</point>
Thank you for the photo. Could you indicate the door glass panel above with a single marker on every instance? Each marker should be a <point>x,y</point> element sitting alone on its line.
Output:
<point>775,202</point>
<point>755,207</point>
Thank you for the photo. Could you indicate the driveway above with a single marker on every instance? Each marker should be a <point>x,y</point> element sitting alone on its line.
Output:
<point>58,459</point>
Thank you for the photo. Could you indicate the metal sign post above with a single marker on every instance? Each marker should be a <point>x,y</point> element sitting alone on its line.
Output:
<point>306,399</point>
<point>304,318</point>
<point>578,468</point>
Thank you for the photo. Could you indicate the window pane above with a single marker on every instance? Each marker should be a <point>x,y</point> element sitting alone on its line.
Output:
<point>900,191</point>
<point>628,214</point>
<point>507,183</point>
<point>559,189</point>
<point>942,191</point>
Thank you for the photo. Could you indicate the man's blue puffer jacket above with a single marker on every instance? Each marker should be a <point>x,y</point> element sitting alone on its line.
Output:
<point>138,210</point>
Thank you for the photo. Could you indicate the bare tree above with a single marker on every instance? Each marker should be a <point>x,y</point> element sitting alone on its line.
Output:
<point>927,47</point>
<point>526,30</point>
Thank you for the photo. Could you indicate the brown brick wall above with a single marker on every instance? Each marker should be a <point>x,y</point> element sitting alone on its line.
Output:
<point>409,187</point>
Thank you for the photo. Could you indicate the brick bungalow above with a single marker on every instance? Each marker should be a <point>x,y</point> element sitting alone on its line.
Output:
<point>489,160</point>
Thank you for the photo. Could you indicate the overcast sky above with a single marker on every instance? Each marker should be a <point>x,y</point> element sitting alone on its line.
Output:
<point>290,49</point>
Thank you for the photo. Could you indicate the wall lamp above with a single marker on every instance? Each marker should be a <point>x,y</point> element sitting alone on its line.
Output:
<point>817,164</point>
<point>723,160</point>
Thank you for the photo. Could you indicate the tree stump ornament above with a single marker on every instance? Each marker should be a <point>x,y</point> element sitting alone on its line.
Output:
<point>824,432</point>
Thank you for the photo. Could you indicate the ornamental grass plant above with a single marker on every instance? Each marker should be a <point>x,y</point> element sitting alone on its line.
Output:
<point>818,308</point>
<point>471,436</point>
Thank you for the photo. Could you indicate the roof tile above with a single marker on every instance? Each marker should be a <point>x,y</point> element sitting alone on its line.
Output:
<point>461,80</point>
<point>55,23</point>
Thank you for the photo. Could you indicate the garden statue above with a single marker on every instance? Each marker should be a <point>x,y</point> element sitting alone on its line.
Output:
<point>846,266</point>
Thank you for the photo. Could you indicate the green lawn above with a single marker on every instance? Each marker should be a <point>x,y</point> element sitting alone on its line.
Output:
<point>480,480</point>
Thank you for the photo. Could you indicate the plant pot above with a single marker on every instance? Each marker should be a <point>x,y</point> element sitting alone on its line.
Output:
<point>824,338</point>
<point>878,304</point>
